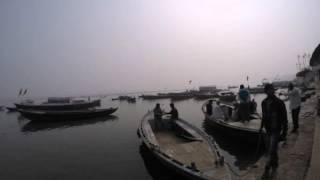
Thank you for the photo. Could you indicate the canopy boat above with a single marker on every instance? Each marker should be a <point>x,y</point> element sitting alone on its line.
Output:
<point>65,115</point>
<point>183,148</point>
<point>59,105</point>
<point>224,120</point>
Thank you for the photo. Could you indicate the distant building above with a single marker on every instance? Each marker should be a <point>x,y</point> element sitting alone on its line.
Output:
<point>315,63</point>
<point>208,88</point>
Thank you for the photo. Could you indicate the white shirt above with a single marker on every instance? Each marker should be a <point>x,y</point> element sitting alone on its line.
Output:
<point>294,98</point>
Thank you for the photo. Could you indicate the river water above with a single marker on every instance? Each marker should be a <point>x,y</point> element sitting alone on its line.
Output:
<point>101,148</point>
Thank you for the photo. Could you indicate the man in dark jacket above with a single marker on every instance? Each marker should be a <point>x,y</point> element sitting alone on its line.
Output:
<point>275,122</point>
<point>174,112</point>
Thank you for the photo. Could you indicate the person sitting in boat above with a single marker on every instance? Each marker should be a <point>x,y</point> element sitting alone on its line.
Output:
<point>157,112</point>
<point>209,108</point>
<point>174,112</point>
<point>218,112</point>
<point>244,100</point>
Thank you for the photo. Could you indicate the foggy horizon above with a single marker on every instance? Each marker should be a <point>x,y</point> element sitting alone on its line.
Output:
<point>58,48</point>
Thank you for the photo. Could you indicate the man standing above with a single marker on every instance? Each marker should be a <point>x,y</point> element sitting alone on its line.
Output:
<point>244,98</point>
<point>295,102</point>
<point>275,122</point>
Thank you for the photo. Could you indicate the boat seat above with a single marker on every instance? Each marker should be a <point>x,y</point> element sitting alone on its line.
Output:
<point>192,134</point>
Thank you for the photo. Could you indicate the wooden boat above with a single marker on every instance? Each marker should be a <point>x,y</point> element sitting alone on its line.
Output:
<point>73,105</point>
<point>225,123</point>
<point>183,148</point>
<point>65,115</point>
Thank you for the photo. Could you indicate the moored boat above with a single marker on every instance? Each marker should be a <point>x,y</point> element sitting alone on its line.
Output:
<point>56,105</point>
<point>66,114</point>
<point>183,148</point>
<point>226,122</point>
<point>11,109</point>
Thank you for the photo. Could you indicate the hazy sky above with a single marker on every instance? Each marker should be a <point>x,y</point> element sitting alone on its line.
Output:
<point>71,47</point>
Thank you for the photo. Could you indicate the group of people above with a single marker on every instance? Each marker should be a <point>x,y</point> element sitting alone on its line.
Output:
<point>274,117</point>
<point>158,113</point>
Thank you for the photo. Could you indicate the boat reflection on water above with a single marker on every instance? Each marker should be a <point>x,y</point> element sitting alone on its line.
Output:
<point>155,168</point>
<point>241,156</point>
<point>35,126</point>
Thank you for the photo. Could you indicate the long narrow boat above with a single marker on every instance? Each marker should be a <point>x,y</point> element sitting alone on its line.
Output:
<point>76,105</point>
<point>183,148</point>
<point>225,123</point>
<point>65,115</point>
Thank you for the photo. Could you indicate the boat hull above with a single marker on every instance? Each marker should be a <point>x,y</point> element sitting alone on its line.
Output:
<point>65,115</point>
<point>236,134</point>
<point>62,106</point>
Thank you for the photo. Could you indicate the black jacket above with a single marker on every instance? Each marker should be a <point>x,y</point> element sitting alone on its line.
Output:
<point>274,116</point>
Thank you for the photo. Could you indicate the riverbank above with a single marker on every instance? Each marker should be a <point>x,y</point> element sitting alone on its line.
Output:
<point>295,155</point>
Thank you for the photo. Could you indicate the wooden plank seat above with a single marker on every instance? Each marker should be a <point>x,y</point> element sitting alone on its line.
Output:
<point>188,133</point>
